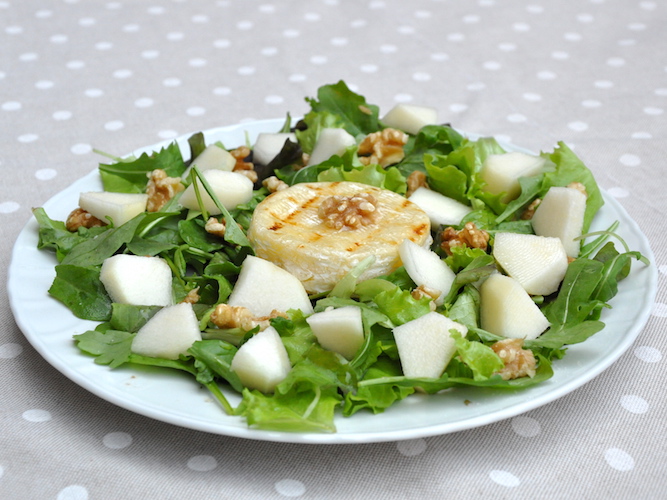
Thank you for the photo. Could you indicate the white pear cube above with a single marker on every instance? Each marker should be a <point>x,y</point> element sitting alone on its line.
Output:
<point>230,188</point>
<point>425,345</point>
<point>426,268</point>
<point>441,209</point>
<point>262,362</point>
<point>501,172</point>
<point>331,141</point>
<point>340,330</point>
<point>215,157</point>
<point>137,280</point>
<point>169,333</point>
<point>268,146</point>
<point>410,118</point>
<point>539,263</point>
<point>264,287</point>
<point>120,207</point>
<point>560,214</point>
<point>507,310</point>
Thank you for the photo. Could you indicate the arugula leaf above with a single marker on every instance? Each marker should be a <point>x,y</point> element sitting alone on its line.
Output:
<point>213,358</point>
<point>112,347</point>
<point>80,289</point>
<point>130,318</point>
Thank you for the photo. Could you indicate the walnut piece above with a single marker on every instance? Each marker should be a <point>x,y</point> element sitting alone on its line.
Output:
<point>423,291</point>
<point>160,189</point>
<point>470,236</point>
<point>579,187</point>
<point>530,209</point>
<point>80,218</point>
<point>274,184</point>
<point>352,212</point>
<point>415,180</point>
<point>215,227</point>
<point>192,297</point>
<point>242,166</point>
<point>383,148</point>
<point>226,316</point>
<point>519,362</point>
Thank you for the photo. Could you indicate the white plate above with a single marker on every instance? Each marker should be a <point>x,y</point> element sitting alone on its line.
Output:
<point>167,396</point>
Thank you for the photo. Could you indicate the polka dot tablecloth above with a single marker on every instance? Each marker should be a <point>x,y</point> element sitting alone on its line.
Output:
<point>84,75</point>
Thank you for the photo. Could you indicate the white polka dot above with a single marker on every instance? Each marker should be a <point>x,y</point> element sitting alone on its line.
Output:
<point>267,8</point>
<point>585,18</point>
<point>175,36</point>
<point>246,70</point>
<point>532,97</point>
<point>619,459</point>
<point>43,14</point>
<point>37,415</point>
<point>2,471</point>
<point>122,73</point>
<point>471,19</point>
<point>439,56</point>
<point>411,447</point>
<point>388,49</point>
<point>81,149</point>
<point>572,37</point>
<point>630,160</point>
<point>200,19</point>
<point>507,46</point>
<point>8,207</point>
<point>62,115</point>
<point>290,488</point>
<point>58,39</point>
<point>150,54</point>
<point>10,350</point>
<point>403,98</point>
<point>660,91</point>
<point>196,111</point>
<point>458,107</point>
<point>274,99</point>
<point>659,310</point>
<point>578,126</point>
<point>73,492</point>
<point>26,138</point>
<point>648,5</point>
<point>202,463</point>
<point>222,43</point>
<point>591,103</point>
<point>11,106</point>
<point>114,125</point>
<point>642,135</point>
<point>312,17</point>
<point>14,30</point>
<point>423,14</point>
<point>269,51</point>
<point>87,21</point>
<point>618,192</point>
<point>117,440</point>
<point>167,134</point>
<point>339,41</point>
<point>319,60</point>
<point>456,37</point>
<point>604,84</point>
<point>93,92</point>
<point>634,404</point>
<point>75,64</point>
<point>648,354</point>
<point>476,86</point>
<point>516,118</point>
<point>650,110</point>
<point>244,25</point>
<point>504,478</point>
<point>291,33</point>
<point>297,77</point>
<point>560,55</point>
<point>615,62</point>
<point>358,23</point>
<point>222,91</point>
<point>104,46</point>
<point>521,27</point>
<point>28,56</point>
<point>526,426</point>
<point>45,174</point>
<point>144,102</point>
<point>421,76</point>
<point>406,30</point>
<point>44,84</point>
<point>171,82</point>
<point>197,62</point>
<point>131,28</point>
<point>156,10</point>
<point>636,27</point>
<point>546,75</point>
<point>369,68</point>
<point>535,9</point>
<point>627,42</point>
<point>377,4</point>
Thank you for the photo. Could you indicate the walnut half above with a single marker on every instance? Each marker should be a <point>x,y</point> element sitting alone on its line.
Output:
<point>383,148</point>
<point>226,316</point>
<point>160,189</point>
<point>351,212</point>
<point>470,236</point>
<point>80,218</point>
<point>519,362</point>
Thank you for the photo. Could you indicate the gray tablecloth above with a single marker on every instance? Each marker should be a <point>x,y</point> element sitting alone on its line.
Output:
<point>116,75</point>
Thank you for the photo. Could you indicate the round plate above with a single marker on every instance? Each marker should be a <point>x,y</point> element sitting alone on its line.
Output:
<point>177,399</point>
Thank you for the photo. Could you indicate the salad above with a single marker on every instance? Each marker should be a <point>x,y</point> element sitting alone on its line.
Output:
<point>486,273</point>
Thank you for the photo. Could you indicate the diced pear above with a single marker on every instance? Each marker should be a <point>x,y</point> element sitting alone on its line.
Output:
<point>120,207</point>
<point>215,157</point>
<point>169,333</point>
<point>538,263</point>
<point>410,118</point>
<point>561,214</point>
<point>425,345</point>
<point>267,146</point>
<point>426,268</point>
<point>331,141</point>
<point>441,209</point>
<point>263,287</point>
<point>340,330</point>
<point>137,280</point>
<point>262,362</point>
<point>231,188</point>
<point>501,172</point>
<point>507,310</point>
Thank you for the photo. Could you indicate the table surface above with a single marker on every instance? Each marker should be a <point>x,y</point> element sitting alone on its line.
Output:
<point>117,75</point>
